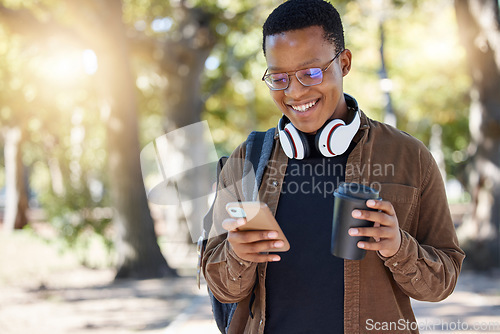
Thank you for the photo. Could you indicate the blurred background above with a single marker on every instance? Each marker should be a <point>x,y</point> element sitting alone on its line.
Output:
<point>85,85</point>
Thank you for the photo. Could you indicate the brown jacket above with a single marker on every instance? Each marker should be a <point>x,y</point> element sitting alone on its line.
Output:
<point>377,289</point>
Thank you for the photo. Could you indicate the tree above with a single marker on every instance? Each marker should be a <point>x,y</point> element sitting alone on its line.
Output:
<point>13,133</point>
<point>16,194</point>
<point>98,25</point>
<point>479,23</point>
<point>139,253</point>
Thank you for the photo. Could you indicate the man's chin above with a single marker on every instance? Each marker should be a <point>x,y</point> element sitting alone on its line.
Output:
<point>308,130</point>
<point>310,127</point>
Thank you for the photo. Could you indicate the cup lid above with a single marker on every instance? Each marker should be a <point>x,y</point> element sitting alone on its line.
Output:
<point>358,191</point>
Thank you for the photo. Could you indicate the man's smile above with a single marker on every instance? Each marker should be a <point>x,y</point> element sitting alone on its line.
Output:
<point>303,107</point>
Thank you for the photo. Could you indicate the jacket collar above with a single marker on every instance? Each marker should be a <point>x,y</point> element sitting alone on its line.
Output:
<point>364,127</point>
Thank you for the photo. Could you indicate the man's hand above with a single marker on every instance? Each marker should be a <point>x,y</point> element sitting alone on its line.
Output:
<point>385,230</point>
<point>249,245</point>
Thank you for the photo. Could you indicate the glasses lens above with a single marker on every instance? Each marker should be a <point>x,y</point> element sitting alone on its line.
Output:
<point>310,76</point>
<point>277,80</point>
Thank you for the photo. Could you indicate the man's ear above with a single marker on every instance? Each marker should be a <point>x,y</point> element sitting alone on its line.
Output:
<point>345,62</point>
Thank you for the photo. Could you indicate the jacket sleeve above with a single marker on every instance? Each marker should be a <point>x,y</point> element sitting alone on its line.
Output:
<point>230,278</point>
<point>429,260</point>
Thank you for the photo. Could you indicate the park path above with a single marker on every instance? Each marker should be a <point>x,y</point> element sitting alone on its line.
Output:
<point>176,306</point>
<point>43,291</point>
<point>474,307</point>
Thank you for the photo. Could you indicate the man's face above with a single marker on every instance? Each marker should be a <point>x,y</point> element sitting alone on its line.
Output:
<point>308,108</point>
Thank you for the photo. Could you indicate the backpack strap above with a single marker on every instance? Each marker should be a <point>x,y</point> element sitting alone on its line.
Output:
<point>258,150</point>
<point>207,220</point>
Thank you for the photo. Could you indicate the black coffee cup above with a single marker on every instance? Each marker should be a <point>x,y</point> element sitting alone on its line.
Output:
<point>348,197</point>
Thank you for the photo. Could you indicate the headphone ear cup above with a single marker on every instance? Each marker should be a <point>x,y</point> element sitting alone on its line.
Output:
<point>342,137</point>
<point>287,144</point>
<point>285,138</point>
<point>324,137</point>
<point>299,142</point>
<point>293,142</point>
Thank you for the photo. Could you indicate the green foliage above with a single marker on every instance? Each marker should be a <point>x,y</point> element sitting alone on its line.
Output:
<point>236,100</point>
<point>71,186</point>
<point>64,117</point>
<point>429,86</point>
<point>424,61</point>
<point>431,83</point>
<point>80,223</point>
<point>45,92</point>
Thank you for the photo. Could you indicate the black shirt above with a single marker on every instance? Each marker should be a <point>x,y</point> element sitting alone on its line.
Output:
<point>305,290</point>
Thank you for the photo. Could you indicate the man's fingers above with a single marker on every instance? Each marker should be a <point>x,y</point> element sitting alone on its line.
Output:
<point>255,251</point>
<point>375,216</point>
<point>374,246</point>
<point>385,230</point>
<point>377,233</point>
<point>252,247</point>
<point>376,225</point>
<point>251,236</point>
<point>384,206</point>
<point>260,258</point>
<point>231,224</point>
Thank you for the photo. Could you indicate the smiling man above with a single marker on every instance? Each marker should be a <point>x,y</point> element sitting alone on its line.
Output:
<point>288,54</point>
<point>323,139</point>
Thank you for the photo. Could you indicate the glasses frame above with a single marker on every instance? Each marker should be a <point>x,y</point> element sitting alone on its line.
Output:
<point>289,74</point>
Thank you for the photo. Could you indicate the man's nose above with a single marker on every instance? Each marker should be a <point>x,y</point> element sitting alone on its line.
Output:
<point>295,88</point>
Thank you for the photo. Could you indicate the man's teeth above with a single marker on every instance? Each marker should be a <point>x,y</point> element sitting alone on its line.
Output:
<point>304,107</point>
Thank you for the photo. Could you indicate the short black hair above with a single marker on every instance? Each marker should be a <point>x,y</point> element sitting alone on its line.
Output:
<point>299,14</point>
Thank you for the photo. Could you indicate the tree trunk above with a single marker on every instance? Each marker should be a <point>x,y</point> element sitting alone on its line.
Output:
<point>385,83</point>
<point>183,63</point>
<point>16,199</point>
<point>139,255</point>
<point>479,26</point>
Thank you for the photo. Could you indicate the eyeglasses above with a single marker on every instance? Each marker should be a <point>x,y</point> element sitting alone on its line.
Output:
<point>307,77</point>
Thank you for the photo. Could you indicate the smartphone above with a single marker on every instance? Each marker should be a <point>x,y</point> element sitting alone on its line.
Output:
<point>259,218</point>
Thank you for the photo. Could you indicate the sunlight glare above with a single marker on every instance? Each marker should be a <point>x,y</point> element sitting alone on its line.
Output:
<point>62,67</point>
<point>90,63</point>
<point>212,63</point>
<point>66,65</point>
<point>445,49</point>
<point>162,24</point>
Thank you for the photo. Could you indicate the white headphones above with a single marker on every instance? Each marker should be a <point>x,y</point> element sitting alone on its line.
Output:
<point>332,139</point>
